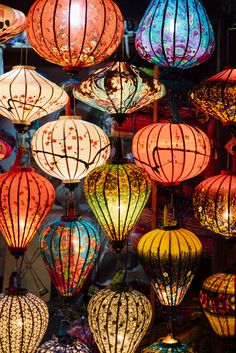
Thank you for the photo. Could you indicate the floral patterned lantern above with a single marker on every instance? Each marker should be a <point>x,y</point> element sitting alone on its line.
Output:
<point>170,257</point>
<point>69,148</point>
<point>171,152</point>
<point>69,248</point>
<point>216,96</point>
<point>214,203</point>
<point>12,22</point>
<point>74,33</point>
<point>25,200</point>
<point>27,96</point>
<point>119,319</point>
<point>23,321</point>
<point>218,301</point>
<point>60,345</point>
<point>119,89</point>
<point>168,345</point>
<point>175,34</point>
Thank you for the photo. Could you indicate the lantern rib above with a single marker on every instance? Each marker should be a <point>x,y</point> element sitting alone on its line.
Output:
<point>62,263</point>
<point>200,33</point>
<point>25,232</point>
<point>69,31</point>
<point>184,154</point>
<point>188,267</point>
<point>156,149</point>
<point>8,232</point>
<point>216,202</point>
<point>178,234</point>
<point>128,205</point>
<point>188,33</point>
<point>172,153</point>
<point>78,149</point>
<point>229,203</point>
<point>159,274</point>
<point>79,283</point>
<point>69,257</point>
<point>162,33</point>
<point>12,98</point>
<point>172,300</point>
<point>174,30</point>
<point>84,34</point>
<point>66,151</point>
<point>26,304</point>
<point>227,320</point>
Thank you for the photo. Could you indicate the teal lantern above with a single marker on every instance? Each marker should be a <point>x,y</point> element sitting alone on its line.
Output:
<point>168,345</point>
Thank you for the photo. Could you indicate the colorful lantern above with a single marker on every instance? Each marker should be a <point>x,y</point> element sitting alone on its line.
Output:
<point>69,248</point>
<point>175,34</point>
<point>23,321</point>
<point>12,22</point>
<point>119,89</point>
<point>74,33</point>
<point>218,301</point>
<point>119,319</point>
<point>168,345</point>
<point>171,152</point>
<point>214,203</point>
<point>61,345</point>
<point>69,148</point>
<point>216,96</point>
<point>27,96</point>
<point>25,200</point>
<point>170,257</point>
<point>5,149</point>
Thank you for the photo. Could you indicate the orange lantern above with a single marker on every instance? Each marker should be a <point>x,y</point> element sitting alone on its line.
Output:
<point>12,22</point>
<point>171,152</point>
<point>25,200</point>
<point>74,33</point>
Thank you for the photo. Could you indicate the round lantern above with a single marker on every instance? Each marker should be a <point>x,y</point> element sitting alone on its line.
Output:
<point>69,148</point>
<point>27,96</point>
<point>214,203</point>
<point>218,301</point>
<point>12,22</point>
<point>119,319</point>
<point>171,152</point>
<point>25,200</point>
<point>63,345</point>
<point>168,345</point>
<point>5,150</point>
<point>23,321</point>
<point>175,34</point>
<point>117,194</point>
<point>118,88</point>
<point>69,248</point>
<point>170,257</point>
<point>216,96</point>
<point>74,33</point>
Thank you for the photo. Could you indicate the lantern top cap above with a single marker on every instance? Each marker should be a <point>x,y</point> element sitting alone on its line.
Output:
<point>28,67</point>
<point>15,291</point>
<point>67,117</point>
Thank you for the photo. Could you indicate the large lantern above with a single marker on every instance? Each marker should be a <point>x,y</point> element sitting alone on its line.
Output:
<point>216,96</point>
<point>214,203</point>
<point>170,257</point>
<point>25,200</point>
<point>74,33</point>
<point>119,89</point>
<point>63,345</point>
<point>218,301</point>
<point>27,96</point>
<point>12,22</point>
<point>175,34</point>
<point>69,148</point>
<point>23,321</point>
<point>69,248</point>
<point>171,152</point>
<point>119,319</point>
<point>168,345</point>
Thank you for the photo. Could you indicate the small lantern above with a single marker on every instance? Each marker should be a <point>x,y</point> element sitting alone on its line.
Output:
<point>170,257</point>
<point>119,319</point>
<point>214,203</point>
<point>69,148</point>
<point>63,345</point>
<point>74,33</point>
<point>23,321</point>
<point>168,345</point>
<point>171,152</point>
<point>218,302</point>
<point>175,34</point>
<point>12,22</point>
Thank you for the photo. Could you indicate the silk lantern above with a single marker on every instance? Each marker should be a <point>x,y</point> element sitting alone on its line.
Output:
<point>168,345</point>
<point>74,33</point>
<point>176,34</point>
<point>170,257</point>
<point>216,96</point>
<point>119,319</point>
<point>69,148</point>
<point>62,345</point>
<point>12,22</point>
<point>171,152</point>
<point>27,96</point>
<point>26,198</point>
<point>218,302</point>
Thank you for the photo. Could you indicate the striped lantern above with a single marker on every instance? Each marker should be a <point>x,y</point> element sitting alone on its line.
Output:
<point>12,22</point>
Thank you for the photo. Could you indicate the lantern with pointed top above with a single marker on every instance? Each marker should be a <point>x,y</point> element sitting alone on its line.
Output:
<point>12,22</point>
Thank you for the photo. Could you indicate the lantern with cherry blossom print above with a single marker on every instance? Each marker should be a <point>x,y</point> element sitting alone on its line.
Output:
<point>12,22</point>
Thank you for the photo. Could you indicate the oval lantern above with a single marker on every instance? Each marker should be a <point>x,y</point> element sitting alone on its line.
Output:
<point>175,34</point>
<point>168,345</point>
<point>119,319</point>
<point>60,345</point>
<point>170,257</point>
<point>25,200</point>
<point>69,248</point>
<point>171,152</point>
<point>69,148</point>
<point>216,96</point>
<point>74,33</point>
<point>214,204</point>
<point>23,321</point>
<point>217,298</point>
<point>12,22</point>
<point>117,194</point>
<point>27,96</point>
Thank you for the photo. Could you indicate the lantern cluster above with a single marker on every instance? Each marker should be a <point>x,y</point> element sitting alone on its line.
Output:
<point>12,22</point>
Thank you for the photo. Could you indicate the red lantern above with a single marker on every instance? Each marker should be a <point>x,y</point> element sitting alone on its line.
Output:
<point>74,33</point>
<point>171,152</point>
